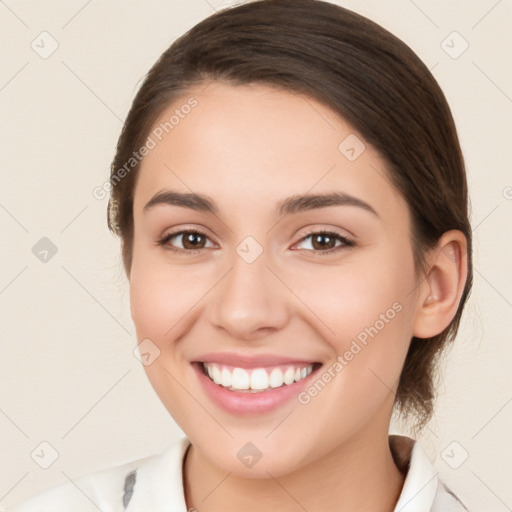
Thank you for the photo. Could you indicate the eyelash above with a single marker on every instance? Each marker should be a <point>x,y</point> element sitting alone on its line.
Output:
<point>345,241</point>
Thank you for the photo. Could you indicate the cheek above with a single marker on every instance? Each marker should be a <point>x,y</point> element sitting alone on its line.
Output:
<point>366,314</point>
<point>162,297</point>
<point>350,298</point>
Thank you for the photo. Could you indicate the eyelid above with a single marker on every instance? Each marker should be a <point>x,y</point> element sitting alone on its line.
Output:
<point>164,239</point>
<point>346,241</point>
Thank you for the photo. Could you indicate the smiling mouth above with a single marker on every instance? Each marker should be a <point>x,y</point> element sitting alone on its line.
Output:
<point>257,380</point>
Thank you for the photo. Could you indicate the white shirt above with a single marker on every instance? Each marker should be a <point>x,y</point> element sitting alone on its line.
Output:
<point>155,484</point>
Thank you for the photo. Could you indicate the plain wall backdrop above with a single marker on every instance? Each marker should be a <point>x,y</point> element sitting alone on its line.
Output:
<point>69,376</point>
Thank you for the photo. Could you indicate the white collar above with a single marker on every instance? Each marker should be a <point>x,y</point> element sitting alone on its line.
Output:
<point>159,478</point>
<point>421,481</point>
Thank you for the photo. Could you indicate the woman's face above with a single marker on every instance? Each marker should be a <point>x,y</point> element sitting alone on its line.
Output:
<point>257,280</point>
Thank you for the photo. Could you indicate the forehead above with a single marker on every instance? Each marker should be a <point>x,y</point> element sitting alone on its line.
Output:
<point>251,145</point>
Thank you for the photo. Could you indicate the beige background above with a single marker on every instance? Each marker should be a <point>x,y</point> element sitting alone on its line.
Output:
<point>68,374</point>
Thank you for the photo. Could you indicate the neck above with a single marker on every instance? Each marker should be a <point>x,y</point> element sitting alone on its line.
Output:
<point>358,475</point>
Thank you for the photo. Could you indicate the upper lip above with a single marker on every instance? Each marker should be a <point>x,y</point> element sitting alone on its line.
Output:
<point>254,361</point>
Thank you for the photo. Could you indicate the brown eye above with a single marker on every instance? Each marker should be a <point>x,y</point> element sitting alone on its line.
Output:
<point>326,242</point>
<point>192,241</point>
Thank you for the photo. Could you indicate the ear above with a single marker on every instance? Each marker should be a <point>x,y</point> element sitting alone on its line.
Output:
<point>441,289</point>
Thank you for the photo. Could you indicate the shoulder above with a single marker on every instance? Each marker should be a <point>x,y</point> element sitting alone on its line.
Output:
<point>108,490</point>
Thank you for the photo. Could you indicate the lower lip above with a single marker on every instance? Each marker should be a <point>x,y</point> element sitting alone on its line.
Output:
<point>241,403</point>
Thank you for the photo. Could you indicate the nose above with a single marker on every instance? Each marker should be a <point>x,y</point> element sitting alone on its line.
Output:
<point>250,301</point>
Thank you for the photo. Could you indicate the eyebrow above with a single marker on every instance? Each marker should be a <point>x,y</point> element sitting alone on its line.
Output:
<point>288,206</point>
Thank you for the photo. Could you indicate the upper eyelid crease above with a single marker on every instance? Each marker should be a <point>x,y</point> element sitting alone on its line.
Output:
<point>346,241</point>
<point>288,206</point>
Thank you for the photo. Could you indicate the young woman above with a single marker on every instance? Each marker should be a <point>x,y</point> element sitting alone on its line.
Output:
<point>292,204</point>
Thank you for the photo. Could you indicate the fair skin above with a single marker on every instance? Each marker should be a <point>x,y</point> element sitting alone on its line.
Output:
<point>247,148</point>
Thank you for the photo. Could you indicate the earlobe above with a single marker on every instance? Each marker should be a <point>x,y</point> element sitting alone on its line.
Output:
<point>441,289</point>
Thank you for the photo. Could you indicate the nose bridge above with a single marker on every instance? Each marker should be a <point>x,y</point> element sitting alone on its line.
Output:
<point>249,297</point>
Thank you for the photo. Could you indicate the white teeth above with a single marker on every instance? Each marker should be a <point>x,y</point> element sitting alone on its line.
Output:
<point>240,379</point>
<point>216,375</point>
<point>259,379</point>
<point>276,378</point>
<point>225,377</point>
<point>256,380</point>
<point>289,376</point>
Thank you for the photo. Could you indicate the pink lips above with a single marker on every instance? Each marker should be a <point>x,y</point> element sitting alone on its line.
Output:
<point>247,404</point>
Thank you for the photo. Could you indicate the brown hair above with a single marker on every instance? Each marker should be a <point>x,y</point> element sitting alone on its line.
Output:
<point>365,74</point>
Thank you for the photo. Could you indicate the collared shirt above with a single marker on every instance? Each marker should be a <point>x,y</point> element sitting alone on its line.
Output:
<point>155,484</point>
